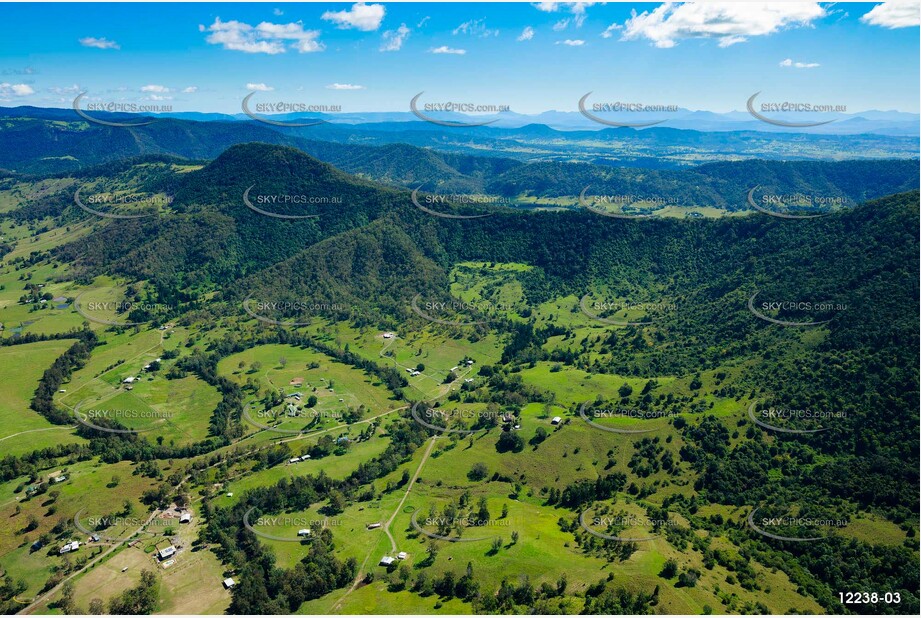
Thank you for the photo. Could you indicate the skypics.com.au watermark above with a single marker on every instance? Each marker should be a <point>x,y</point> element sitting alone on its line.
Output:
<point>452,529</point>
<point>589,413</point>
<point>112,199</point>
<point>800,307</point>
<point>287,200</point>
<point>286,107</point>
<point>629,528</point>
<point>433,204</point>
<point>481,419</point>
<point>279,528</point>
<point>782,419</point>
<point>776,204</point>
<point>627,108</point>
<point>794,528</point>
<point>456,312</point>
<point>100,311</point>
<point>91,417</point>
<point>595,309</point>
<point>599,204</point>
<point>461,107</point>
<point>795,107</point>
<point>293,313</point>
<point>117,107</point>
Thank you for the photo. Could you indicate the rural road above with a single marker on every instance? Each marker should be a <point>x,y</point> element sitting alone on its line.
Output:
<point>393,544</point>
<point>42,598</point>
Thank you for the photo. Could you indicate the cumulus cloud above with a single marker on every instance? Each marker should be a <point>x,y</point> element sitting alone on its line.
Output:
<point>259,87</point>
<point>392,40</point>
<point>729,23</point>
<point>527,34</point>
<point>16,90</point>
<point>154,88</point>
<point>361,16</point>
<point>190,89</point>
<point>576,8</point>
<point>900,14</point>
<point>101,43</point>
<point>798,65</point>
<point>345,87</point>
<point>264,38</point>
<point>444,49</point>
<point>572,42</point>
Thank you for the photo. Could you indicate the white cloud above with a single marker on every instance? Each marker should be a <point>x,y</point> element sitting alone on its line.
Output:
<point>265,38</point>
<point>260,87</point>
<point>157,97</point>
<point>361,16</point>
<point>894,15</point>
<point>576,8</point>
<point>103,43</point>
<point>610,30</point>
<point>729,23</point>
<point>65,89</point>
<point>527,34</point>
<point>423,21</point>
<point>278,12</point>
<point>798,65</point>
<point>475,27</point>
<point>392,40</point>
<point>190,89</point>
<point>560,25</point>
<point>154,88</point>
<point>345,87</point>
<point>444,49</point>
<point>16,90</point>
<point>572,42</point>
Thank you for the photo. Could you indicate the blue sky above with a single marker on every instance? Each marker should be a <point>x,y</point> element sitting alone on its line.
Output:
<point>532,57</point>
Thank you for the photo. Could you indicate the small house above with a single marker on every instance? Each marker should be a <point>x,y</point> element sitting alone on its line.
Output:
<point>388,335</point>
<point>59,479</point>
<point>129,380</point>
<point>294,460</point>
<point>229,583</point>
<point>166,552</point>
<point>468,380</point>
<point>373,526</point>
<point>185,518</point>
<point>402,555</point>
<point>303,532</point>
<point>69,547</point>
<point>386,561</point>
<point>556,420</point>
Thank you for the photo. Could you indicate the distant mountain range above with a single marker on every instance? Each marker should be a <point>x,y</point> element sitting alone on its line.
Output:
<point>41,140</point>
<point>878,122</point>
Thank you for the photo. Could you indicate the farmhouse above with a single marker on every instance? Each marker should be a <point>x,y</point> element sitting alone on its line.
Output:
<point>166,552</point>
<point>129,380</point>
<point>185,518</point>
<point>402,555</point>
<point>294,460</point>
<point>373,526</point>
<point>229,583</point>
<point>69,547</point>
<point>59,479</point>
<point>556,420</point>
<point>388,335</point>
<point>386,561</point>
<point>303,532</point>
